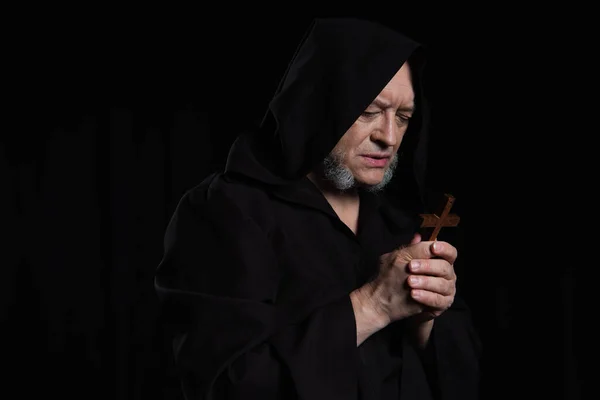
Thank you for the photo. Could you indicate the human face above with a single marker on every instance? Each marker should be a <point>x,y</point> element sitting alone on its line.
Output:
<point>369,147</point>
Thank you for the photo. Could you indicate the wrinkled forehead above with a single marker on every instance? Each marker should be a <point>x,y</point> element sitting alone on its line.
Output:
<point>399,91</point>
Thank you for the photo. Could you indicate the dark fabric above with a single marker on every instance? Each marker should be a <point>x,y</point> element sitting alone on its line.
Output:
<point>256,287</point>
<point>258,268</point>
<point>340,66</point>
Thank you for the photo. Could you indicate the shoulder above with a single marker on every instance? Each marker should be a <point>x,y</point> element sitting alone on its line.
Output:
<point>220,194</point>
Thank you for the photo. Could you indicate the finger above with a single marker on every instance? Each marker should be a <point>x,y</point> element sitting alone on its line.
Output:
<point>431,299</point>
<point>432,267</point>
<point>416,238</point>
<point>444,250</point>
<point>413,251</point>
<point>437,285</point>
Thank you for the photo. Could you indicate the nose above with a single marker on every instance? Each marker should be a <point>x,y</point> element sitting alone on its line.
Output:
<point>386,133</point>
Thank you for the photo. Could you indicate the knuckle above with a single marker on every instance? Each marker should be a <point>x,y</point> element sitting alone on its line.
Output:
<point>449,270</point>
<point>451,288</point>
<point>443,287</point>
<point>437,301</point>
<point>402,257</point>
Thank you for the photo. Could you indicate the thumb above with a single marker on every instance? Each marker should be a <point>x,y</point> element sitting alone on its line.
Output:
<point>416,238</point>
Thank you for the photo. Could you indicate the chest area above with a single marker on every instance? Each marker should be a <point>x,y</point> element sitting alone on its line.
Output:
<point>319,253</point>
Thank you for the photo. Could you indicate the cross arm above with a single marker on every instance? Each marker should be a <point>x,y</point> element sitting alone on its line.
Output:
<point>440,219</point>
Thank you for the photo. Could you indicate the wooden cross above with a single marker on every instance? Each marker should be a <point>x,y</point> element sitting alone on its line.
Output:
<point>441,219</point>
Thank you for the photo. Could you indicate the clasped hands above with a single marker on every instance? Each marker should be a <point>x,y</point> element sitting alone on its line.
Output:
<point>416,280</point>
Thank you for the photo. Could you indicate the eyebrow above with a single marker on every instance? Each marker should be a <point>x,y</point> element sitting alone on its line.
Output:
<point>384,104</point>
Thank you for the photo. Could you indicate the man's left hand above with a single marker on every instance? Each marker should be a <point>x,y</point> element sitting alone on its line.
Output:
<point>432,280</point>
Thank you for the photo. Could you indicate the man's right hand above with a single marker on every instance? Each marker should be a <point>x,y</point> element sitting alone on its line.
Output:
<point>387,298</point>
<point>389,293</point>
<point>392,297</point>
<point>430,289</point>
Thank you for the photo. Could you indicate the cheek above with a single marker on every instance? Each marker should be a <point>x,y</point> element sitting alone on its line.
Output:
<point>339,148</point>
<point>344,146</point>
<point>361,143</point>
<point>355,139</point>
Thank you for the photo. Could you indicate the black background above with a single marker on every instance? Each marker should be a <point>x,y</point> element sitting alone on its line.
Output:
<point>120,111</point>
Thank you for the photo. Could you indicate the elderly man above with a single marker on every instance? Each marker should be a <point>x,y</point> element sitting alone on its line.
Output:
<point>292,274</point>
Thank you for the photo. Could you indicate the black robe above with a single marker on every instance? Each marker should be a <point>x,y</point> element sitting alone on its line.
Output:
<point>258,268</point>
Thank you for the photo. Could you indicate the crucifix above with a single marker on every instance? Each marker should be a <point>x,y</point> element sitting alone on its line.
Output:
<point>440,219</point>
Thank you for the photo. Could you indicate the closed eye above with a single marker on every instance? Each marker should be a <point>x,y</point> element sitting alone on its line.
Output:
<point>370,114</point>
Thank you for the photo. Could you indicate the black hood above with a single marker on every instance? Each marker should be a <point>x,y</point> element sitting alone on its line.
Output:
<point>338,69</point>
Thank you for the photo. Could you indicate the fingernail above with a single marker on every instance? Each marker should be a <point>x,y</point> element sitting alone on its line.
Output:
<point>414,265</point>
<point>437,246</point>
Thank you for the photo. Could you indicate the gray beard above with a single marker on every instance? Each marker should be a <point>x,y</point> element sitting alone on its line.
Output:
<point>340,177</point>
